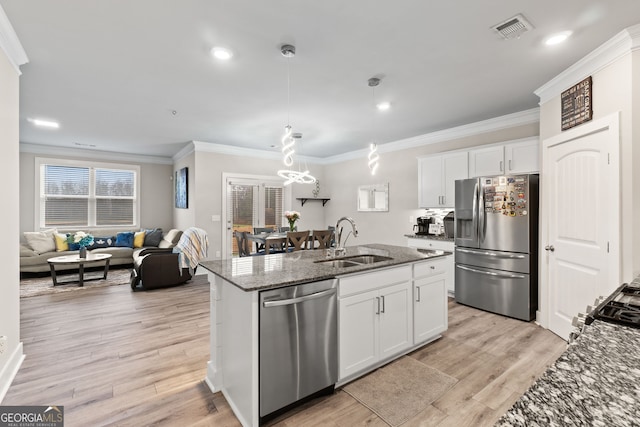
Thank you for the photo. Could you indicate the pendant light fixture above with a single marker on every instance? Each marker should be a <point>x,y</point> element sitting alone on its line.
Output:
<point>288,139</point>
<point>373,156</point>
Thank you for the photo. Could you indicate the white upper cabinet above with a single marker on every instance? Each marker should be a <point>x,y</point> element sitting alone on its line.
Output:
<point>436,178</point>
<point>505,159</point>
<point>522,157</point>
<point>486,161</point>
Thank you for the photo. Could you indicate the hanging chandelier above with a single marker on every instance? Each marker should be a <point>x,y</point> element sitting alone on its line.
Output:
<point>373,157</point>
<point>288,139</point>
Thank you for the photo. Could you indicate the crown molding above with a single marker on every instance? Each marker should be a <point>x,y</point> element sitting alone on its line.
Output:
<point>10,44</point>
<point>52,150</point>
<point>184,152</point>
<point>208,147</point>
<point>604,55</point>
<point>491,125</point>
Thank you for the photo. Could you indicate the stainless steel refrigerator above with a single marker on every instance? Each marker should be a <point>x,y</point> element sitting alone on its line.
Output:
<point>496,237</point>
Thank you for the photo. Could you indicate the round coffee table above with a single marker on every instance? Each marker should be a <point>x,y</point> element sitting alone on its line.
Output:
<point>75,259</point>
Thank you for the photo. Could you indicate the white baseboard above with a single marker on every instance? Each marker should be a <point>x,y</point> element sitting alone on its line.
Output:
<point>211,378</point>
<point>10,370</point>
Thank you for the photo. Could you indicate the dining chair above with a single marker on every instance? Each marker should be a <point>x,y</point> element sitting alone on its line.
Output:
<point>298,239</point>
<point>243,243</point>
<point>286,229</point>
<point>323,237</point>
<point>258,230</point>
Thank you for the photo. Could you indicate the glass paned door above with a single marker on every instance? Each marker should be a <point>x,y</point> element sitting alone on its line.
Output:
<point>251,204</point>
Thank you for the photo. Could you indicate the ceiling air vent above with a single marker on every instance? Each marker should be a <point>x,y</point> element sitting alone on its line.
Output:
<point>513,27</point>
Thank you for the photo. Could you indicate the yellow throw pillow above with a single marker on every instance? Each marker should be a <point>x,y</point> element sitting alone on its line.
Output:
<point>61,242</point>
<point>138,239</point>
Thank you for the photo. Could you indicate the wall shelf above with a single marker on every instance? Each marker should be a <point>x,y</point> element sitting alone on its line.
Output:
<point>303,200</point>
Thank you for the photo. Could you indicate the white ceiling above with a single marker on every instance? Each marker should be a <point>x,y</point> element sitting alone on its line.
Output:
<point>112,72</point>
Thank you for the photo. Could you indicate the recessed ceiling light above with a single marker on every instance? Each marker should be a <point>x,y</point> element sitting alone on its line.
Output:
<point>221,53</point>
<point>45,123</point>
<point>383,106</point>
<point>557,38</point>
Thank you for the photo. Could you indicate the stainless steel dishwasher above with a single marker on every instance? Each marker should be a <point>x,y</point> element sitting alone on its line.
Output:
<point>298,343</point>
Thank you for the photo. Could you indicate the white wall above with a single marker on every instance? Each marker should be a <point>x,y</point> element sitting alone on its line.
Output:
<point>613,90</point>
<point>10,218</point>
<point>400,170</point>
<point>208,194</point>
<point>156,186</point>
<point>185,218</point>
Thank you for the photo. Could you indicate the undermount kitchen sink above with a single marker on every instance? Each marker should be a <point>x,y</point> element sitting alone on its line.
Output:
<point>354,261</point>
<point>338,263</point>
<point>368,259</point>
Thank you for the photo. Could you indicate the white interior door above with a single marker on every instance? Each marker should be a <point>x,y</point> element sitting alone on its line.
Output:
<point>581,188</point>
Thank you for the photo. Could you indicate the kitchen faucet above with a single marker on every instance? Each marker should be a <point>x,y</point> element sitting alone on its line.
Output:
<point>340,250</point>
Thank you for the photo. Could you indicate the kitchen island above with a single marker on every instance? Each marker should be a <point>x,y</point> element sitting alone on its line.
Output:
<point>596,382</point>
<point>390,303</point>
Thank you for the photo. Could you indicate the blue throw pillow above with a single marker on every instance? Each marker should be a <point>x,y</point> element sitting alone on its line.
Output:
<point>125,239</point>
<point>102,242</point>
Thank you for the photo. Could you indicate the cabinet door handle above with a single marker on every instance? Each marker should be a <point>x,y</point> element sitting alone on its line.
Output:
<point>510,165</point>
<point>382,297</point>
<point>444,200</point>
<point>378,301</point>
<point>501,166</point>
<point>417,293</point>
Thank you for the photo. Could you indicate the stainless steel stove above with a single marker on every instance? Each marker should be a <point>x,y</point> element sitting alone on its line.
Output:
<point>621,307</point>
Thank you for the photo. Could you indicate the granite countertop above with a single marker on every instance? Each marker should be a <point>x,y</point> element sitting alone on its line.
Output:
<point>596,382</point>
<point>430,237</point>
<point>256,273</point>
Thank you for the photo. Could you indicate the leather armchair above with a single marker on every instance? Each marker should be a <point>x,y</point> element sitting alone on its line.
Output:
<point>157,268</point>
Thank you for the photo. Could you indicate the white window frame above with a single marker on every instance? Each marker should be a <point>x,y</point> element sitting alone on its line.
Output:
<point>92,166</point>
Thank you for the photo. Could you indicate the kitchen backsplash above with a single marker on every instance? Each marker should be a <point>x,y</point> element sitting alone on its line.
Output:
<point>437,213</point>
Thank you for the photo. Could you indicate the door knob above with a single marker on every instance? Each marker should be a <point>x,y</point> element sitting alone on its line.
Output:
<point>549,248</point>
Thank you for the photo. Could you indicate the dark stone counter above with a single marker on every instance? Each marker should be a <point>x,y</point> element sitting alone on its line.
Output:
<point>256,273</point>
<point>596,382</point>
<point>441,238</point>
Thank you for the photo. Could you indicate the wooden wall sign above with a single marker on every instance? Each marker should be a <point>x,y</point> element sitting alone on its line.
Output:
<point>577,105</point>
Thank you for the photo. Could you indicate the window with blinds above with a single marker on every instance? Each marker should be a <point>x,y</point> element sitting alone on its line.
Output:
<point>273,207</point>
<point>74,196</point>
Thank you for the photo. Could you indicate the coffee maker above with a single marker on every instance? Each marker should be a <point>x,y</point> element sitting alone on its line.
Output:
<point>422,226</point>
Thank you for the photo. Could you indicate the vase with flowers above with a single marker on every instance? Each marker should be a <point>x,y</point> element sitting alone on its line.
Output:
<point>292,217</point>
<point>81,239</point>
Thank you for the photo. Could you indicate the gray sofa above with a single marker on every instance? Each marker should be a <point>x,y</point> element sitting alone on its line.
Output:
<point>32,261</point>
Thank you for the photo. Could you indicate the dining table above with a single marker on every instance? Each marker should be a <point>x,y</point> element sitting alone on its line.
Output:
<point>275,239</point>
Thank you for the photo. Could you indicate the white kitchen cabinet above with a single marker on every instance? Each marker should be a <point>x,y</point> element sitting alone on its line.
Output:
<point>396,321</point>
<point>448,262</point>
<point>522,157</point>
<point>374,326</point>
<point>486,161</point>
<point>505,159</point>
<point>376,318</point>
<point>436,178</point>
<point>429,307</point>
<point>359,334</point>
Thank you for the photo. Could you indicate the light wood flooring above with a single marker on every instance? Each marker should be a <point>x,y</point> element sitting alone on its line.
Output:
<point>114,357</point>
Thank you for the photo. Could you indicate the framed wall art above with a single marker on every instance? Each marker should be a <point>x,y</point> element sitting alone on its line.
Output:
<point>182,188</point>
<point>577,104</point>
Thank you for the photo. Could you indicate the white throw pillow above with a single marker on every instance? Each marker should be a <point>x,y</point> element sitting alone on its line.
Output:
<point>41,241</point>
